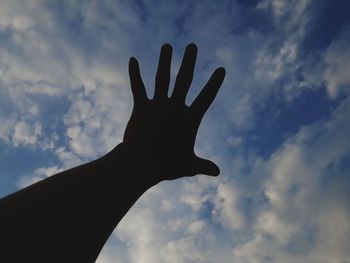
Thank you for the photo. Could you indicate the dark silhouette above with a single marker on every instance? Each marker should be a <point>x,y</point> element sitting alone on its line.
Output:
<point>68,217</point>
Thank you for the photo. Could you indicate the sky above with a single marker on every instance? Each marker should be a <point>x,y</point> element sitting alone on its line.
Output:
<point>278,129</point>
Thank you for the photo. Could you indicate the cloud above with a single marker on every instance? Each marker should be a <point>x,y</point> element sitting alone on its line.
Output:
<point>38,175</point>
<point>15,15</point>
<point>150,234</point>
<point>292,207</point>
<point>41,68</point>
<point>96,119</point>
<point>6,129</point>
<point>227,207</point>
<point>337,59</point>
<point>63,73</point>
<point>300,209</point>
<point>25,133</point>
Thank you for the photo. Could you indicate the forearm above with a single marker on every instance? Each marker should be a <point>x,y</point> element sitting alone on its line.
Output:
<point>69,216</point>
<point>76,210</point>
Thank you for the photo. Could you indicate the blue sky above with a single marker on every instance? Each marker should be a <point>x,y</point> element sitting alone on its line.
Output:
<point>278,128</point>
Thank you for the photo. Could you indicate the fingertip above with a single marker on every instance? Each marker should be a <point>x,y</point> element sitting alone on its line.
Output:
<point>218,77</point>
<point>212,169</point>
<point>133,62</point>
<point>207,167</point>
<point>167,47</point>
<point>212,172</point>
<point>221,71</point>
<point>192,47</point>
<point>216,170</point>
<point>166,50</point>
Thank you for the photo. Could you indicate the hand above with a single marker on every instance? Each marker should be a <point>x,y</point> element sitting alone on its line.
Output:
<point>161,132</point>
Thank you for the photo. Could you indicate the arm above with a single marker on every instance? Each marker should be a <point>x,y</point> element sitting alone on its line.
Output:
<point>69,216</point>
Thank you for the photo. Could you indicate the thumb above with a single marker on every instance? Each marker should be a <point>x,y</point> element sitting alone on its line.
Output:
<point>203,166</point>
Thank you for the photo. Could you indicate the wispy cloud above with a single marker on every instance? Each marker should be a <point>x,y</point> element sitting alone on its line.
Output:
<point>64,91</point>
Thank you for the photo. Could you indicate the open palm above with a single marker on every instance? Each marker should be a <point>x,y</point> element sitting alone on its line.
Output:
<point>162,130</point>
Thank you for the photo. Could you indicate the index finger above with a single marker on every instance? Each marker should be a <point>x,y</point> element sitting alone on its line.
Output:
<point>207,95</point>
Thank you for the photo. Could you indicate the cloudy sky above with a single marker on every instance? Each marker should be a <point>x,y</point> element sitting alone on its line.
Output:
<point>279,128</point>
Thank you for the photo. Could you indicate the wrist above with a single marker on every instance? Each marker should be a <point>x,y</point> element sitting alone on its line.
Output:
<point>127,163</point>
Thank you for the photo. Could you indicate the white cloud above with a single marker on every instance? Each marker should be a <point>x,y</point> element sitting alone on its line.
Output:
<point>6,129</point>
<point>300,211</point>
<point>299,218</point>
<point>196,227</point>
<point>67,158</point>
<point>279,212</point>
<point>96,119</point>
<point>337,59</point>
<point>234,141</point>
<point>26,133</point>
<point>331,67</point>
<point>14,14</point>
<point>40,63</point>
<point>38,174</point>
<point>227,208</point>
<point>281,8</point>
<point>269,67</point>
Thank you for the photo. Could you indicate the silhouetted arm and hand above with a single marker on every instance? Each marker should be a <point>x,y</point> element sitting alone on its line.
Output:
<point>69,216</point>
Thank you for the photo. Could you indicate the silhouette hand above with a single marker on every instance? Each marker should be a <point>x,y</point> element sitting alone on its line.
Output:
<point>161,132</point>
<point>158,145</point>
